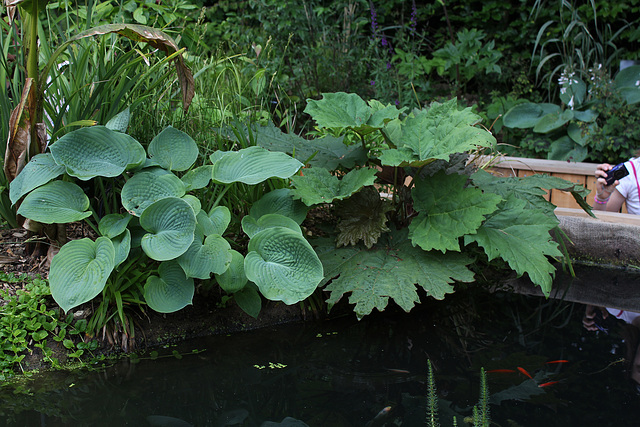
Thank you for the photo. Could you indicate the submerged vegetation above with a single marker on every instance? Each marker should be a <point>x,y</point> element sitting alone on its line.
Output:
<point>274,150</point>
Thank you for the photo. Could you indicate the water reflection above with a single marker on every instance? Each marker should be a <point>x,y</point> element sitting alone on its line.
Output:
<point>369,373</point>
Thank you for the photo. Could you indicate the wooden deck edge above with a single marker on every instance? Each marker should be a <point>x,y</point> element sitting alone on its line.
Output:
<point>613,217</point>
<point>538,165</point>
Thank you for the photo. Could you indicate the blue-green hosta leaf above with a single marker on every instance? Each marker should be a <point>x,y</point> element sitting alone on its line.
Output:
<point>587,116</point>
<point>120,122</point>
<point>113,225</point>
<point>520,237</point>
<point>437,133</point>
<point>170,292</point>
<point>170,223</point>
<point>198,178</point>
<point>448,211</point>
<point>253,165</point>
<point>202,259</point>
<point>580,134</point>
<point>553,121</point>
<point>233,279</point>
<point>252,226</point>
<point>362,218</point>
<point>631,95</point>
<point>318,185</point>
<point>348,110</point>
<point>216,222</point>
<point>173,149</point>
<point>391,269</point>
<point>328,152</point>
<point>80,271</point>
<point>248,299</point>
<point>122,246</point>
<point>40,170</point>
<point>194,202</point>
<point>283,265</point>
<point>97,151</point>
<point>145,188</point>
<point>280,201</point>
<point>527,115</point>
<point>56,202</point>
<point>628,77</point>
<point>564,148</point>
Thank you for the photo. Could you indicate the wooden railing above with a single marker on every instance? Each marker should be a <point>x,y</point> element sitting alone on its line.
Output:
<point>580,173</point>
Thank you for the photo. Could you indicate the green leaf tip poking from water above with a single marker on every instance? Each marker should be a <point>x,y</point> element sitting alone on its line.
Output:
<point>521,237</point>
<point>392,268</point>
<point>80,271</point>
<point>436,133</point>
<point>318,185</point>
<point>283,265</point>
<point>447,211</point>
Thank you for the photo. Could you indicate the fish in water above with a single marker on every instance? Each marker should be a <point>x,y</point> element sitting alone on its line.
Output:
<point>381,418</point>
<point>548,384</point>
<point>524,371</point>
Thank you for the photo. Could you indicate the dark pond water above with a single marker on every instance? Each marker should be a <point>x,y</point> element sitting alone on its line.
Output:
<point>343,373</point>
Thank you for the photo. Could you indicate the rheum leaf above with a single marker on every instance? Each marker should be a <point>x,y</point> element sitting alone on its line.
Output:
<point>327,152</point>
<point>391,269</point>
<point>437,133</point>
<point>520,237</point>
<point>363,217</point>
<point>348,110</point>
<point>319,186</point>
<point>448,211</point>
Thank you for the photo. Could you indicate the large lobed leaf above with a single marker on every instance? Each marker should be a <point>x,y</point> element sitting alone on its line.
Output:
<point>437,133</point>
<point>448,211</point>
<point>318,185</point>
<point>363,217</point>
<point>348,110</point>
<point>391,269</point>
<point>521,237</point>
<point>328,152</point>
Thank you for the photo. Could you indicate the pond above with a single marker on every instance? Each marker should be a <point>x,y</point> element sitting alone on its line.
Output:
<point>371,373</point>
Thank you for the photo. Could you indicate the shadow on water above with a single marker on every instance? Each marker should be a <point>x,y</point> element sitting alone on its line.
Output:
<point>370,373</point>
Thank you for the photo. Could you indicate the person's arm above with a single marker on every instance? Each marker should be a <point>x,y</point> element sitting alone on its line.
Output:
<point>607,197</point>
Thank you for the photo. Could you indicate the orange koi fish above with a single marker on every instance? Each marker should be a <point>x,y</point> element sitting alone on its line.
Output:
<point>524,371</point>
<point>548,384</point>
<point>557,361</point>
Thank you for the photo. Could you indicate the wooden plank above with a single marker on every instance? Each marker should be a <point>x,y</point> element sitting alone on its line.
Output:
<point>615,217</point>
<point>541,165</point>
<point>563,198</point>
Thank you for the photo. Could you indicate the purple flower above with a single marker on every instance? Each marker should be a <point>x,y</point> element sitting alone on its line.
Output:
<point>373,82</point>
<point>384,42</point>
<point>374,19</point>
<point>397,103</point>
<point>388,65</point>
<point>414,16</point>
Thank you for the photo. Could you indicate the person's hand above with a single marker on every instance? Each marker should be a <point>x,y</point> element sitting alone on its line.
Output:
<point>588,321</point>
<point>603,191</point>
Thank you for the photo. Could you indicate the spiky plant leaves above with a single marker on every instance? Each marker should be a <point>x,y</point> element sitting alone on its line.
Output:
<point>448,211</point>
<point>390,269</point>
<point>362,218</point>
<point>521,237</point>
<point>80,271</point>
<point>171,291</point>
<point>283,265</point>
<point>318,185</point>
<point>436,133</point>
<point>97,151</point>
<point>173,149</point>
<point>40,170</point>
<point>56,202</point>
<point>327,152</point>
<point>348,110</point>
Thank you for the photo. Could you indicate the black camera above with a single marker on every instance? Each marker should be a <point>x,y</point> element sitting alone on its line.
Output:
<point>616,173</point>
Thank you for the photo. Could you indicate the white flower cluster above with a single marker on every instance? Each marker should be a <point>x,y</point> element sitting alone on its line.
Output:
<point>567,79</point>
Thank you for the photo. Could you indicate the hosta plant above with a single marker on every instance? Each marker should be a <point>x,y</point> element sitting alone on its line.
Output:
<point>412,213</point>
<point>161,225</point>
